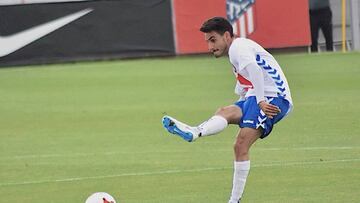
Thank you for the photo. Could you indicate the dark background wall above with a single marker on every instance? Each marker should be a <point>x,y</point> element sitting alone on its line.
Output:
<point>113,29</point>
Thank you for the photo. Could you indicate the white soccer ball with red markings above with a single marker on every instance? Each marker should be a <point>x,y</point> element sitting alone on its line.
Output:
<point>100,197</point>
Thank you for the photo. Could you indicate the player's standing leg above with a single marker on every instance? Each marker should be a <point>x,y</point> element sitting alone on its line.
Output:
<point>244,140</point>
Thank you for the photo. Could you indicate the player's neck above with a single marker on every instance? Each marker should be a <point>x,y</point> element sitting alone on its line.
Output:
<point>231,40</point>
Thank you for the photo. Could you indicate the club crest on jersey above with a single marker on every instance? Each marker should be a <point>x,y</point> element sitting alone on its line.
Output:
<point>241,14</point>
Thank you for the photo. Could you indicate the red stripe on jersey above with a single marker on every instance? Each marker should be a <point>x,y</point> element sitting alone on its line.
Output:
<point>244,81</point>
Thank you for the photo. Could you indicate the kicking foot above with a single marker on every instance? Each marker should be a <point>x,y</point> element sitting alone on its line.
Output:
<point>176,127</point>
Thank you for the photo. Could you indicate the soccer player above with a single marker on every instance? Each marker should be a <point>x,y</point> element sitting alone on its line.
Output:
<point>264,97</point>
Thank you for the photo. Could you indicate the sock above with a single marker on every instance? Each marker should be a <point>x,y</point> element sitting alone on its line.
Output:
<point>241,171</point>
<point>212,126</point>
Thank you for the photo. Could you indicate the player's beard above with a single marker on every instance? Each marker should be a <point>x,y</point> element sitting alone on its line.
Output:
<point>220,52</point>
<point>217,55</point>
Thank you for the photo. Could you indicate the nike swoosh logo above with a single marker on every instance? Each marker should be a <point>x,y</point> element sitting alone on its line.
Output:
<point>11,43</point>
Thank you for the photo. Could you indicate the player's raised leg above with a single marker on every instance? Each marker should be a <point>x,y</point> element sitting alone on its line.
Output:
<point>181,129</point>
<point>244,140</point>
<point>217,123</point>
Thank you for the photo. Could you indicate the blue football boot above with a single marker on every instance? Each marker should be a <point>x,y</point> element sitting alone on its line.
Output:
<point>176,127</point>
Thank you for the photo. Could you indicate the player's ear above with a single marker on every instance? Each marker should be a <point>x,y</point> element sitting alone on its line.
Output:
<point>227,35</point>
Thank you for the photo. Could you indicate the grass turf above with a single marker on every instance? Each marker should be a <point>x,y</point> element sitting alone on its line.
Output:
<point>70,130</point>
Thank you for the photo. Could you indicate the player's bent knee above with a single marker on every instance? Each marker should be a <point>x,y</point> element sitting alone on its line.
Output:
<point>223,112</point>
<point>240,149</point>
<point>231,113</point>
<point>220,111</point>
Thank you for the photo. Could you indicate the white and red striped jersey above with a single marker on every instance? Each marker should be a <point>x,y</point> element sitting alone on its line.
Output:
<point>242,53</point>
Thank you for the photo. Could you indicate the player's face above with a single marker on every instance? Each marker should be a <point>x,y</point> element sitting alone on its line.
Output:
<point>217,44</point>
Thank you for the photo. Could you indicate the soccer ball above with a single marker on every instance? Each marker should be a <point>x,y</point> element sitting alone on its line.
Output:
<point>100,197</point>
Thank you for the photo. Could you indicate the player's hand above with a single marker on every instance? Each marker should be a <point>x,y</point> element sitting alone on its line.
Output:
<point>269,109</point>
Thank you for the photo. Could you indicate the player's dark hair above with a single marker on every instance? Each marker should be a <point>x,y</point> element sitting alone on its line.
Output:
<point>217,24</point>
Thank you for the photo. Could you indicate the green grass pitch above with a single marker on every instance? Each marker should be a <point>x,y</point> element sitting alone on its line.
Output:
<point>69,130</point>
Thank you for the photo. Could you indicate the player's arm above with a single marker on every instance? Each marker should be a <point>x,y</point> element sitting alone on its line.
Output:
<point>257,79</point>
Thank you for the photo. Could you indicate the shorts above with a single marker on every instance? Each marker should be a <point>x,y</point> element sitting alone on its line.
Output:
<point>254,117</point>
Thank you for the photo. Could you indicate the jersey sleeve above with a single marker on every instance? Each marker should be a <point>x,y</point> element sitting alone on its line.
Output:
<point>257,79</point>
<point>241,55</point>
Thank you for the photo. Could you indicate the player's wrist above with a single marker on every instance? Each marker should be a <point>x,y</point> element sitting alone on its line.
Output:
<point>261,102</point>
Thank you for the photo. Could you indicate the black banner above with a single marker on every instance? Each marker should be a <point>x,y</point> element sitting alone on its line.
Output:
<point>47,33</point>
